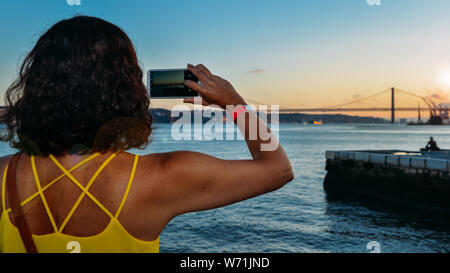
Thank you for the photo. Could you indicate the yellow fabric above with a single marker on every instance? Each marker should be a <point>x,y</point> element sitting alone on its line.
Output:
<point>114,238</point>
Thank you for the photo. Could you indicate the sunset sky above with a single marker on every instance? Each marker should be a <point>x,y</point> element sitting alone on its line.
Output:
<point>295,53</point>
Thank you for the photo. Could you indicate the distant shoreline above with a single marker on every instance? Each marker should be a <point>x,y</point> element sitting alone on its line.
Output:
<point>164,116</point>
<point>161,115</point>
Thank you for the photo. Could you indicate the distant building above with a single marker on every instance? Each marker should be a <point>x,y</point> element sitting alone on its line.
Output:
<point>444,108</point>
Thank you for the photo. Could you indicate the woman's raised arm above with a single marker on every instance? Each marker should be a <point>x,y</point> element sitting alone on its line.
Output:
<point>199,182</point>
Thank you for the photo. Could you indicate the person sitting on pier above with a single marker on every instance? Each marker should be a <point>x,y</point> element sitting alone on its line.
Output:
<point>432,145</point>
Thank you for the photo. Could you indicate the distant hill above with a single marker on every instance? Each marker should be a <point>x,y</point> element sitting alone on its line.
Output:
<point>163,116</point>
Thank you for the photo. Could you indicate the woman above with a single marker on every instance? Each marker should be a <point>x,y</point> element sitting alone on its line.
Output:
<point>78,104</point>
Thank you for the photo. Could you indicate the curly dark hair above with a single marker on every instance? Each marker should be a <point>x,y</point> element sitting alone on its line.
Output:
<point>79,89</point>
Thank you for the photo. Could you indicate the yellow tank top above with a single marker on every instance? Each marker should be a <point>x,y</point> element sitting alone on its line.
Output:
<point>114,238</point>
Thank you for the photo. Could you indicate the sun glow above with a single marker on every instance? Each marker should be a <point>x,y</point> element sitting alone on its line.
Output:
<point>445,78</point>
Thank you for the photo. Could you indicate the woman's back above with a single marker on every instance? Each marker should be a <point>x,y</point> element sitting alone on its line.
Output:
<point>92,210</point>
<point>80,90</point>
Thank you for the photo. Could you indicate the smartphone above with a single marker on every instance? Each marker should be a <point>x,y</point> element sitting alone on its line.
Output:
<point>169,83</point>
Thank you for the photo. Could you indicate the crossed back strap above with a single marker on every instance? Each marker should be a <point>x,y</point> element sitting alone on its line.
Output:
<point>16,205</point>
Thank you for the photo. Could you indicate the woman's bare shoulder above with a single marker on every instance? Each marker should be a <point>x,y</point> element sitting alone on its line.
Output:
<point>158,170</point>
<point>169,161</point>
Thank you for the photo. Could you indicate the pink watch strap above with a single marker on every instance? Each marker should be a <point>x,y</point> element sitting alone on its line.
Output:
<point>238,111</point>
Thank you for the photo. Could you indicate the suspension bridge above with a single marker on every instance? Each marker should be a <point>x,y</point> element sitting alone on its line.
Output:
<point>437,111</point>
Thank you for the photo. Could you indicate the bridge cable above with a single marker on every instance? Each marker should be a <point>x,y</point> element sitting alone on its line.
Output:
<point>333,106</point>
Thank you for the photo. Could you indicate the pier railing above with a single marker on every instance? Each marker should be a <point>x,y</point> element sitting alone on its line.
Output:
<point>403,159</point>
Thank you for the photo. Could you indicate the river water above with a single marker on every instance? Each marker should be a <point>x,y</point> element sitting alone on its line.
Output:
<point>300,217</point>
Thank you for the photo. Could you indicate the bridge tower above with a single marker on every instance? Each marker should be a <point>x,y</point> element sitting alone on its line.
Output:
<point>392,105</point>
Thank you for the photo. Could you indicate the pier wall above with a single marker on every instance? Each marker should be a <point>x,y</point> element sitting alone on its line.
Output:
<point>409,180</point>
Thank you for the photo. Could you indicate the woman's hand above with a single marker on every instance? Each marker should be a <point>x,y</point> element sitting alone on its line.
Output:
<point>212,88</point>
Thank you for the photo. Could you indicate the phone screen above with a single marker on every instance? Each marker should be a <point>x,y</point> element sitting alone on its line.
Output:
<point>170,83</point>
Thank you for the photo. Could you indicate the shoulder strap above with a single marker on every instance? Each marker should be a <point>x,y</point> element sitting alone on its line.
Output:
<point>133,171</point>
<point>16,208</point>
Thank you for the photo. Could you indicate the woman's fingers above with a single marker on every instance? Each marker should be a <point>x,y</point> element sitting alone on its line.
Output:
<point>205,70</point>
<point>195,86</point>
<point>212,88</point>
<point>206,87</point>
<point>198,73</point>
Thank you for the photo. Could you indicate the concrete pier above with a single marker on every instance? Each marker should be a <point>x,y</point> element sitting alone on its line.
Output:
<point>416,179</point>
